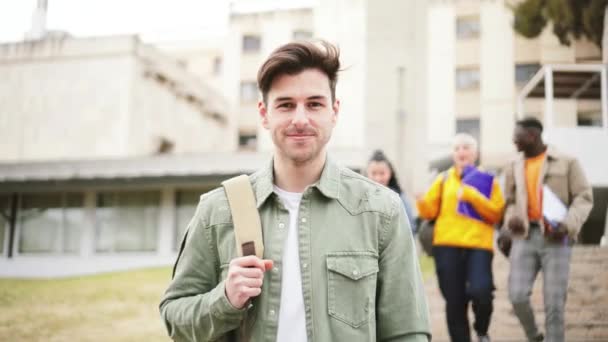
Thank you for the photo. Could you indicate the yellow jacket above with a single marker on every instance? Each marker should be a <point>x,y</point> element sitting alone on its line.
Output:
<point>452,228</point>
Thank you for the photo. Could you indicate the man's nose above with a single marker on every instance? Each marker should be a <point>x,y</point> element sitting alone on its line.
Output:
<point>300,117</point>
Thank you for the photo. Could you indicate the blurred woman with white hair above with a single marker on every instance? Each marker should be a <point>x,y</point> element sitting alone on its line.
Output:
<point>463,244</point>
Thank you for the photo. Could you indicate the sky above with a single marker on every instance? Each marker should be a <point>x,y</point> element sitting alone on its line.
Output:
<point>156,20</point>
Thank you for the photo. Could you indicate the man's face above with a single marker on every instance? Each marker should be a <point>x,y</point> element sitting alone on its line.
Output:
<point>300,115</point>
<point>522,139</point>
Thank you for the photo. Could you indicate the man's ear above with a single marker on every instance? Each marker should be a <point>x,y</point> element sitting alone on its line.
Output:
<point>336,108</point>
<point>263,111</point>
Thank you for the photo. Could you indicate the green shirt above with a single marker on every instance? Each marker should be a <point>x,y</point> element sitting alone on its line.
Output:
<point>361,279</point>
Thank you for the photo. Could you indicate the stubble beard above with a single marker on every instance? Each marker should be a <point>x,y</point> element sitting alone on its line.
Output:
<point>300,156</point>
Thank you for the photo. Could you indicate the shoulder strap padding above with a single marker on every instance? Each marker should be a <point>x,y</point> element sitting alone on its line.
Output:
<point>245,216</point>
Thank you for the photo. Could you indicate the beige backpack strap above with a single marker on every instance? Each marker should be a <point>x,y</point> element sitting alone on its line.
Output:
<point>245,216</point>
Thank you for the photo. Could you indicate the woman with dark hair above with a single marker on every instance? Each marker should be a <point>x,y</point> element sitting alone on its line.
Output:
<point>380,170</point>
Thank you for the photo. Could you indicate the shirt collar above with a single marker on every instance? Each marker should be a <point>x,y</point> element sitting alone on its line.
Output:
<point>328,184</point>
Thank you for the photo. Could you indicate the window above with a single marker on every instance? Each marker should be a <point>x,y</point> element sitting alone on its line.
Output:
<point>50,223</point>
<point>248,141</point>
<point>251,43</point>
<point>249,91</point>
<point>302,35</point>
<point>5,212</point>
<point>524,72</point>
<point>467,27</point>
<point>127,221</point>
<point>217,65</point>
<point>185,206</point>
<point>470,126</point>
<point>589,118</point>
<point>467,78</point>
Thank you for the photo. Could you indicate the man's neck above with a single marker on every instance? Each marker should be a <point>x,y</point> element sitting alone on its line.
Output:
<point>295,177</point>
<point>536,151</point>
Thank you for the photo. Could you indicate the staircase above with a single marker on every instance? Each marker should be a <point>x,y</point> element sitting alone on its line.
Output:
<point>586,308</point>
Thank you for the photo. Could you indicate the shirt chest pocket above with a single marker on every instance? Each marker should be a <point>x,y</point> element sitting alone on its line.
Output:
<point>351,286</point>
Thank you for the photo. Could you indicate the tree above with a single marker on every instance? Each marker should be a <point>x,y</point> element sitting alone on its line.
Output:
<point>570,19</point>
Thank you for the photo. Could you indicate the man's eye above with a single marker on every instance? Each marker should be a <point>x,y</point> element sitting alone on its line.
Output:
<point>286,105</point>
<point>315,104</point>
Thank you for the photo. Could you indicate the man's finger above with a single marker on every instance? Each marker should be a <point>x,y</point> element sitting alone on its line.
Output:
<point>249,282</point>
<point>248,261</point>
<point>268,264</point>
<point>251,291</point>
<point>251,272</point>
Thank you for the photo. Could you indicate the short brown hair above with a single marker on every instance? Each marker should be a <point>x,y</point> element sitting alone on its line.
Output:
<point>295,57</point>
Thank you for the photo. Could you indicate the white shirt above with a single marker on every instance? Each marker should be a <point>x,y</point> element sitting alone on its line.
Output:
<point>292,315</point>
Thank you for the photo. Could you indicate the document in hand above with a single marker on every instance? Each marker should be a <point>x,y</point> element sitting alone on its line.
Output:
<point>483,182</point>
<point>554,210</point>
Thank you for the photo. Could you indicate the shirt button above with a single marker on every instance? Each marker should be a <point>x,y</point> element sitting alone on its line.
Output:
<point>355,273</point>
<point>281,225</point>
<point>275,269</point>
<point>271,313</point>
<point>303,219</point>
<point>305,265</point>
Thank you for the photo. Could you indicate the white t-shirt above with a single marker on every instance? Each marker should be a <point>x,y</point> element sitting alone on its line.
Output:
<point>292,315</point>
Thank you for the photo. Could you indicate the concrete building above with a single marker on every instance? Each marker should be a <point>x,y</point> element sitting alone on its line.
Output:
<point>98,164</point>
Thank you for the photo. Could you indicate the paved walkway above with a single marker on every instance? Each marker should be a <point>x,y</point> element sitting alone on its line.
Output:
<point>586,312</point>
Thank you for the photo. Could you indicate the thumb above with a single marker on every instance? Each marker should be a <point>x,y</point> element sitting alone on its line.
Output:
<point>268,265</point>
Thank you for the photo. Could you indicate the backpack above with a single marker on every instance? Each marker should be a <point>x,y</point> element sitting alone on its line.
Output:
<point>247,235</point>
<point>245,216</point>
<point>426,228</point>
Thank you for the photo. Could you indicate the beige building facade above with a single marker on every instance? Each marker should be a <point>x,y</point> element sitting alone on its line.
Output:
<point>106,146</point>
<point>104,98</point>
<point>492,63</point>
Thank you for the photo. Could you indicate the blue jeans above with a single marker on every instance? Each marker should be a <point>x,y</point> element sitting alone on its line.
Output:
<point>465,275</point>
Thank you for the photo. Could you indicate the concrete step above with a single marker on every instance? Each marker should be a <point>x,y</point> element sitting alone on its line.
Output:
<point>586,309</point>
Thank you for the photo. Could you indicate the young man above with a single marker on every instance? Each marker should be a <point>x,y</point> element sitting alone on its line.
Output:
<point>340,261</point>
<point>541,244</point>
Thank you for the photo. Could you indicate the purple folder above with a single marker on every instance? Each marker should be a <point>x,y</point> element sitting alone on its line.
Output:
<point>483,182</point>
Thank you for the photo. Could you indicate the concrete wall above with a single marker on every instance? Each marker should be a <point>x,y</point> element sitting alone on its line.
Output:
<point>440,92</point>
<point>94,98</point>
<point>345,23</point>
<point>156,112</point>
<point>497,84</point>
<point>384,80</point>
<point>60,102</point>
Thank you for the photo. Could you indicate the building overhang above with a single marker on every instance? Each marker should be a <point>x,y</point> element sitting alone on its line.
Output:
<point>201,170</point>
<point>568,81</point>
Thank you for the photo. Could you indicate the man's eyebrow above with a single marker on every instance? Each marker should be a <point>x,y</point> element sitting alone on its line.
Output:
<point>287,98</point>
<point>316,97</point>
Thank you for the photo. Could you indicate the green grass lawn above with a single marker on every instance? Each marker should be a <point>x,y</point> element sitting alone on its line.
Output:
<point>120,306</point>
<point>427,265</point>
